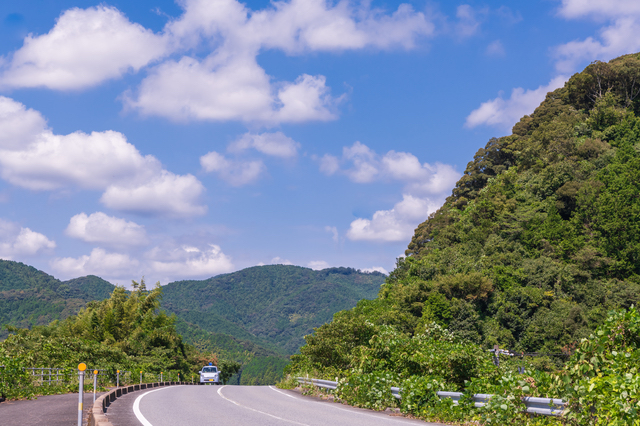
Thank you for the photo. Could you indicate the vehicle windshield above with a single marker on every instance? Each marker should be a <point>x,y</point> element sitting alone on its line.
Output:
<point>210,369</point>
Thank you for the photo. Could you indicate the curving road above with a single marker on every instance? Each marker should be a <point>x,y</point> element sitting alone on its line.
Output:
<point>240,405</point>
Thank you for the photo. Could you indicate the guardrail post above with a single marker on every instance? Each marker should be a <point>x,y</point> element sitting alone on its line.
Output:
<point>161,376</point>
<point>81,367</point>
<point>117,378</point>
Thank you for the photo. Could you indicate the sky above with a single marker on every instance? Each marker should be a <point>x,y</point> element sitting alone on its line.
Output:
<point>182,140</point>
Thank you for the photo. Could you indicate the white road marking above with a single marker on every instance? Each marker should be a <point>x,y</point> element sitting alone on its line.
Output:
<point>257,411</point>
<point>136,407</point>
<point>285,394</point>
<point>353,410</point>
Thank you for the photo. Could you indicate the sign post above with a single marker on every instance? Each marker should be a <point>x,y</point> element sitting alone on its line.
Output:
<point>161,376</point>
<point>81,367</point>
<point>95,384</point>
<point>141,377</point>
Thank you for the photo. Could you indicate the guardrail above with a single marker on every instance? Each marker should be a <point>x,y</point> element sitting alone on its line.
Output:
<point>534,405</point>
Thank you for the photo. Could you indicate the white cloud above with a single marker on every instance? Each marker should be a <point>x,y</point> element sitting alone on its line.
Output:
<point>18,125</point>
<point>617,39</point>
<point>236,173</point>
<point>230,85</point>
<point>103,229</point>
<point>468,20</point>
<point>495,48</point>
<point>189,261</point>
<point>329,164</point>
<point>504,113</point>
<point>397,224</point>
<point>618,36</point>
<point>426,186</point>
<point>334,232</point>
<point>280,261</point>
<point>99,262</point>
<point>376,269</point>
<point>318,265</point>
<point>84,48</point>
<point>363,165</point>
<point>276,144</point>
<point>596,9</point>
<point>35,158</point>
<point>16,241</point>
<point>164,194</point>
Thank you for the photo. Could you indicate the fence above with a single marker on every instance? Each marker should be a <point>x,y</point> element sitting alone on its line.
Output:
<point>534,405</point>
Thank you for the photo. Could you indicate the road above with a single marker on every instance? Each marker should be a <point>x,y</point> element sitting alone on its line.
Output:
<point>51,410</point>
<point>238,406</point>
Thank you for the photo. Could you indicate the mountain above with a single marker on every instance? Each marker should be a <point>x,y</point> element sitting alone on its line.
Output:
<point>255,317</point>
<point>538,241</point>
<point>31,297</point>
<point>273,306</point>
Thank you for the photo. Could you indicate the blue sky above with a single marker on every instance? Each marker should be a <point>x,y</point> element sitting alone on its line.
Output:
<point>181,140</point>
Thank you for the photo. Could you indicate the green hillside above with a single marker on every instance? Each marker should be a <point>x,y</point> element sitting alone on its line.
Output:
<point>273,306</point>
<point>31,297</point>
<point>537,247</point>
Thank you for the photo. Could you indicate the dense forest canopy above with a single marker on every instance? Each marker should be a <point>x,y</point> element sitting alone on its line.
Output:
<point>538,243</point>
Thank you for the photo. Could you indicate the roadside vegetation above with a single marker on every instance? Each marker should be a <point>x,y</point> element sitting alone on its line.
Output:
<point>126,332</point>
<point>537,250</point>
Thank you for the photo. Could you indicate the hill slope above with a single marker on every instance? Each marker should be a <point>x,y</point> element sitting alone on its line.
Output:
<point>31,297</point>
<point>274,306</point>
<point>540,238</point>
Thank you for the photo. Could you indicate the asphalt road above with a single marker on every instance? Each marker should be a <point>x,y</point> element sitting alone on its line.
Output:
<point>51,410</point>
<point>238,406</point>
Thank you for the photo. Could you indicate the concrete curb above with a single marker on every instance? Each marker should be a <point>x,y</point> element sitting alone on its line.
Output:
<point>97,412</point>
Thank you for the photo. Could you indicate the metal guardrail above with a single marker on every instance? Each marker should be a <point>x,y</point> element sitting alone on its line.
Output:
<point>534,405</point>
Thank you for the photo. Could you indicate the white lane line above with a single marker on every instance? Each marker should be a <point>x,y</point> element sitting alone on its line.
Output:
<point>354,410</point>
<point>285,394</point>
<point>257,411</point>
<point>136,407</point>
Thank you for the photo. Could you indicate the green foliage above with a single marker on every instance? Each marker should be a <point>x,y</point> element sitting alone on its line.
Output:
<point>271,306</point>
<point>29,297</point>
<point>369,390</point>
<point>538,241</point>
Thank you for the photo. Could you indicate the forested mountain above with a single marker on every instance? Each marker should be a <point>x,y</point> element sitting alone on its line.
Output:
<point>256,317</point>
<point>538,245</point>
<point>273,306</point>
<point>31,297</point>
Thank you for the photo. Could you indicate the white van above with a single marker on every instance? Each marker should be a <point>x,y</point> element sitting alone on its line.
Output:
<point>210,374</point>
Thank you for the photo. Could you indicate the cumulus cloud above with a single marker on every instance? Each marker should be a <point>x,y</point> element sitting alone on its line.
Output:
<point>397,224</point>
<point>88,46</point>
<point>230,85</point>
<point>376,269</point>
<point>234,172</point>
<point>318,265</point>
<point>163,194</point>
<point>99,262</point>
<point>280,261</point>
<point>426,186</point>
<point>103,229</point>
<point>190,261</point>
<point>276,144</point>
<point>363,165</point>
<point>84,48</point>
<point>16,241</point>
<point>504,113</point>
<point>617,36</point>
<point>33,157</point>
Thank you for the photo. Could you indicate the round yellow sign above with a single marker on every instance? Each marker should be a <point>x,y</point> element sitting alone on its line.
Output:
<point>82,366</point>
